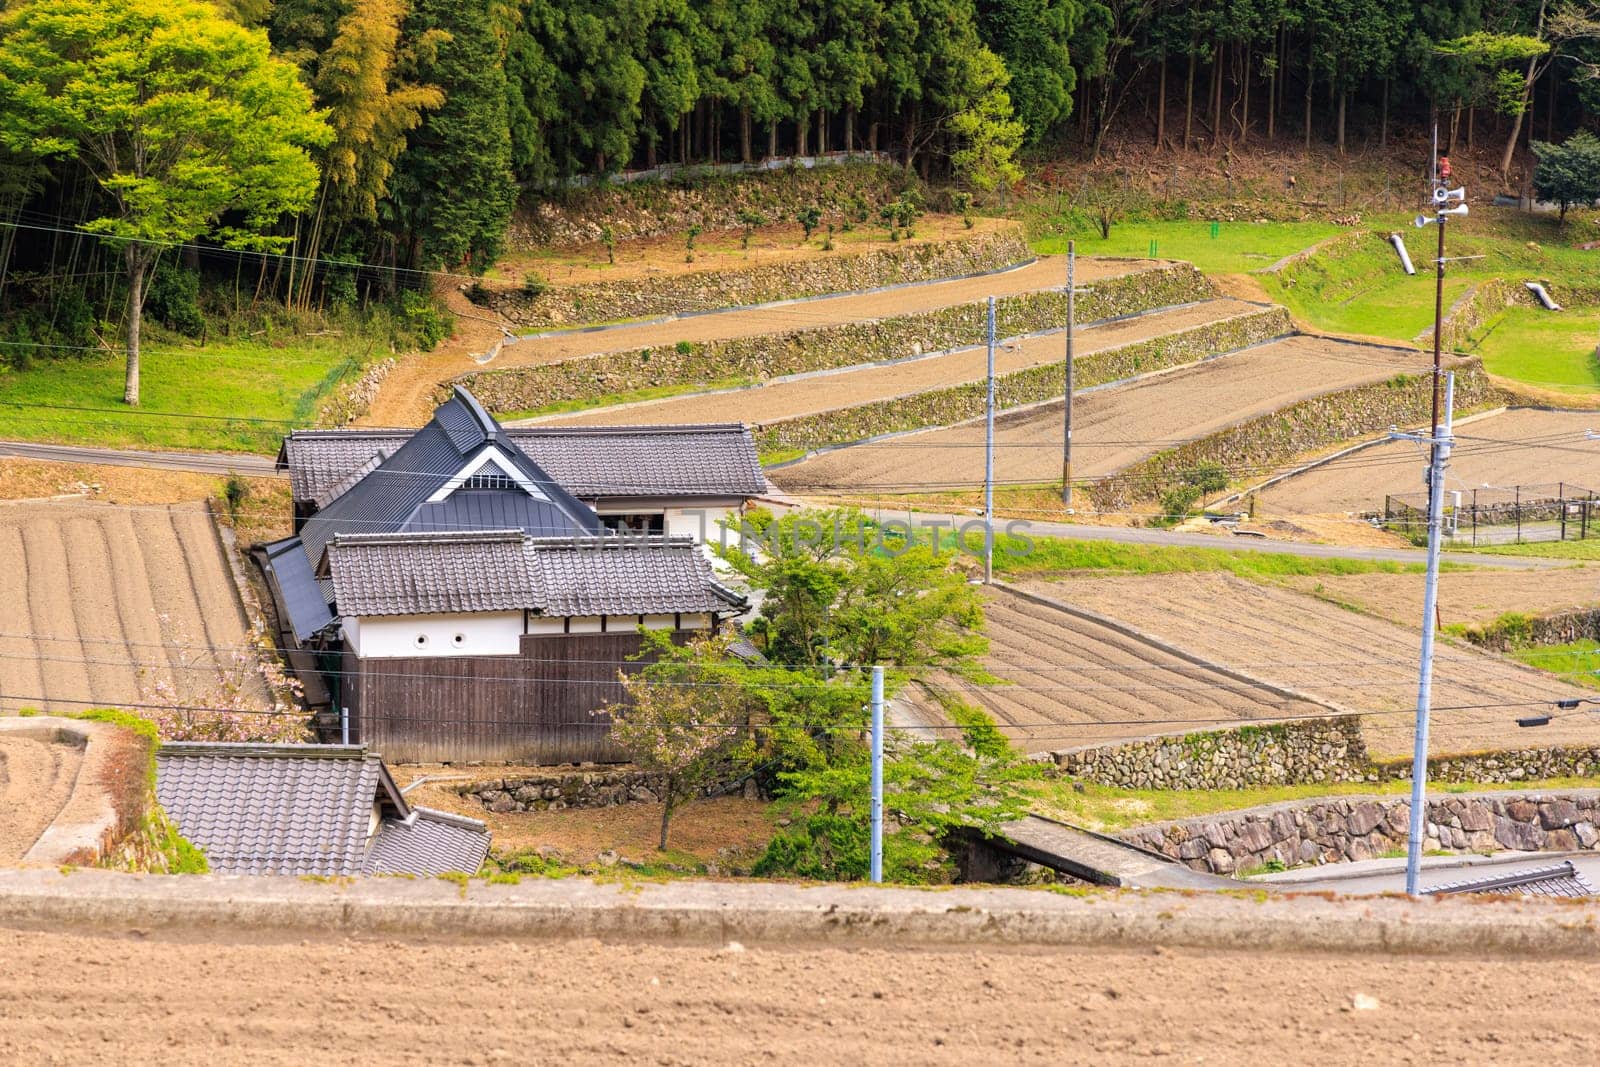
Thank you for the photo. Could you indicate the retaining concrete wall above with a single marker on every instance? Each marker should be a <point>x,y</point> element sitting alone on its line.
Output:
<point>943,407</point>
<point>1358,828</point>
<point>1275,439</point>
<point>796,351</point>
<point>985,250</point>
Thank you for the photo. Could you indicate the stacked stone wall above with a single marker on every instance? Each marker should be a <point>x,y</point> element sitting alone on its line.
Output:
<point>558,791</point>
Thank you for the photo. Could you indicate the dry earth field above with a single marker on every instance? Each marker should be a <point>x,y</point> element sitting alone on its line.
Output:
<point>1113,427</point>
<point>830,390</point>
<point>224,997</point>
<point>1527,446</point>
<point>1072,682</point>
<point>36,779</point>
<point>1354,661</point>
<point>102,602</point>
<point>1464,596</point>
<point>403,398</point>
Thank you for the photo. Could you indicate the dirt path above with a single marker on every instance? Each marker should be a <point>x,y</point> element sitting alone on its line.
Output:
<point>1464,596</point>
<point>403,398</point>
<point>1073,682</point>
<point>1112,428</point>
<point>223,998</point>
<point>36,779</point>
<point>1328,652</point>
<point>824,392</point>
<point>95,595</point>
<point>1518,447</point>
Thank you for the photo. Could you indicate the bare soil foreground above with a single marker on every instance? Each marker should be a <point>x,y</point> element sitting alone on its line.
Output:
<point>1358,662</point>
<point>863,385</point>
<point>403,398</point>
<point>226,998</point>
<point>36,779</point>
<point>1524,447</point>
<point>1074,682</point>
<point>103,604</point>
<point>1114,427</point>
<point>1464,596</point>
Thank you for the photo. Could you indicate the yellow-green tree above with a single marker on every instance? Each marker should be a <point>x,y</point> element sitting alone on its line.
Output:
<point>185,120</point>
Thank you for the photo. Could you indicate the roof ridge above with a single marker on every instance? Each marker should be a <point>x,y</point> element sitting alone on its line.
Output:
<point>417,537</point>
<point>283,750</point>
<point>448,818</point>
<point>613,541</point>
<point>629,428</point>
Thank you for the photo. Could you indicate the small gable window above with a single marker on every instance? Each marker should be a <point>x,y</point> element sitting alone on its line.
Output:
<point>489,480</point>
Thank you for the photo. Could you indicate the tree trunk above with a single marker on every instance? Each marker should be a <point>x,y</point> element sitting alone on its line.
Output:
<point>872,137</point>
<point>1455,127</point>
<point>667,791</point>
<point>1272,89</point>
<point>1471,114</point>
<point>802,130</point>
<point>1188,102</point>
<point>744,133</point>
<point>822,132</point>
<point>1383,126</point>
<point>1244,96</point>
<point>1343,97</point>
<point>772,140</point>
<point>1311,80</point>
<point>1215,101</point>
<point>1527,94</point>
<point>1161,106</point>
<point>850,128</point>
<point>138,263</point>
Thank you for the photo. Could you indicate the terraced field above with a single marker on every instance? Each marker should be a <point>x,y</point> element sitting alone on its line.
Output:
<point>1464,596</point>
<point>808,394</point>
<point>111,605</point>
<point>1072,681</point>
<point>1352,660</point>
<point>1497,451</point>
<point>1113,427</point>
<point>36,778</point>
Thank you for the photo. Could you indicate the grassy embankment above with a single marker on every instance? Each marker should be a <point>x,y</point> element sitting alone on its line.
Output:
<point>1015,557</point>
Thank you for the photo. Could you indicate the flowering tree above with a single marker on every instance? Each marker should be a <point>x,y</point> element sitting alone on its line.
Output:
<point>223,694</point>
<point>686,718</point>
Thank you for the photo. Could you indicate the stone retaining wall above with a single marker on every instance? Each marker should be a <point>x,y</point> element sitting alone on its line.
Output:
<point>1307,751</point>
<point>1523,631</point>
<point>985,250</point>
<point>556,791</point>
<point>797,351</point>
<point>943,407</point>
<point>1357,828</point>
<point>1275,439</point>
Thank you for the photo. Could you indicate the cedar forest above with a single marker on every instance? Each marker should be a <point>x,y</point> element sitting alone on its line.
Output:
<point>402,133</point>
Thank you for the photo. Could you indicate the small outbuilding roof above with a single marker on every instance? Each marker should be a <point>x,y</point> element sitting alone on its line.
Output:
<point>306,809</point>
<point>497,570</point>
<point>1555,880</point>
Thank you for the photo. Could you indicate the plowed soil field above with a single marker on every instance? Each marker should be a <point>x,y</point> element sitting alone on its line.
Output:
<point>104,603</point>
<point>1113,427</point>
<point>1356,661</point>
<point>403,398</point>
<point>1072,681</point>
<point>1464,596</point>
<point>1524,447</point>
<point>786,399</point>
<point>36,779</point>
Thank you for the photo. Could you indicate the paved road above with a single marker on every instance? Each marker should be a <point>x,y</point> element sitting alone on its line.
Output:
<point>1389,875</point>
<point>1139,535</point>
<point>199,462</point>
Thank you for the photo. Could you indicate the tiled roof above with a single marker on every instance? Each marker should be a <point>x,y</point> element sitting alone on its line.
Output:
<point>600,461</point>
<point>415,574</point>
<point>712,460</point>
<point>272,809</point>
<point>420,574</point>
<point>1555,880</point>
<point>428,842</point>
<point>628,576</point>
<point>306,809</point>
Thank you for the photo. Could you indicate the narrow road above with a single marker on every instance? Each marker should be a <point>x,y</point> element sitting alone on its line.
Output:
<point>249,463</point>
<point>1099,859</point>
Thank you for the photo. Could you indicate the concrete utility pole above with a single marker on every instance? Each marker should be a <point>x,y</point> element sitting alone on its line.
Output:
<point>988,463</point>
<point>1069,386</point>
<point>877,774</point>
<point>1419,759</point>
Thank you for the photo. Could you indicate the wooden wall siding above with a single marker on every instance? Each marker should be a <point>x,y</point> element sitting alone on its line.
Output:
<point>531,708</point>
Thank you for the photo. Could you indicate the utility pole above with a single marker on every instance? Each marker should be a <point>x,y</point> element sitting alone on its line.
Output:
<point>1419,760</point>
<point>1069,387</point>
<point>877,774</point>
<point>988,463</point>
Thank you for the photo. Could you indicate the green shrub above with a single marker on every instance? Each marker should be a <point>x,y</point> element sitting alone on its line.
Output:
<point>425,322</point>
<point>534,285</point>
<point>173,299</point>
<point>1208,477</point>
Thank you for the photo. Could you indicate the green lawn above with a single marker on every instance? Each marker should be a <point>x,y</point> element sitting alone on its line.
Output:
<point>1056,555</point>
<point>1579,550</point>
<point>1238,247</point>
<point>1576,662</point>
<point>1555,350</point>
<point>227,396</point>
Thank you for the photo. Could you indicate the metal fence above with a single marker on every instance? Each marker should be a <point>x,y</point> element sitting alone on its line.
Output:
<point>1554,511</point>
